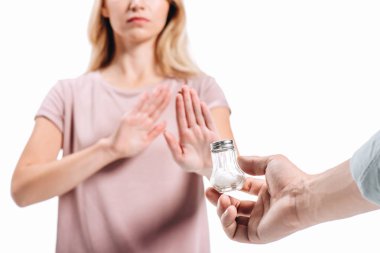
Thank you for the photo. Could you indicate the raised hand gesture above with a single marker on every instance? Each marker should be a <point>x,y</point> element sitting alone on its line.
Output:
<point>138,127</point>
<point>196,131</point>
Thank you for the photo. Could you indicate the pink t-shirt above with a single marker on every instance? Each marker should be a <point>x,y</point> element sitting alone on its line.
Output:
<point>141,204</point>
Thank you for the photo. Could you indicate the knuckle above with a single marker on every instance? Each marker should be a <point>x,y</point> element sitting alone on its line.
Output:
<point>126,120</point>
<point>279,157</point>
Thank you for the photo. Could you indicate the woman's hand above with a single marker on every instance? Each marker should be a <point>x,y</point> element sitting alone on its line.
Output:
<point>196,132</point>
<point>138,127</point>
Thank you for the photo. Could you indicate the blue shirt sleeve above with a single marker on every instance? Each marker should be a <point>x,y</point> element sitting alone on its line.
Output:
<point>365,169</point>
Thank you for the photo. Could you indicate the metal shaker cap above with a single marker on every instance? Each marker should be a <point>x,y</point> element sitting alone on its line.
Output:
<point>222,145</point>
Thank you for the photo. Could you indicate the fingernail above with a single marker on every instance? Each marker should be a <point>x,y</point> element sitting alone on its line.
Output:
<point>225,213</point>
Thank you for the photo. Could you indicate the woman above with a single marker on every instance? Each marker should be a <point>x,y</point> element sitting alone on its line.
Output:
<point>117,127</point>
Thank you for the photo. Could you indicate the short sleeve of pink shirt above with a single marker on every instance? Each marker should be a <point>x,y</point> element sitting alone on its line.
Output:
<point>53,106</point>
<point>209,91</point>
<point>145,203</point>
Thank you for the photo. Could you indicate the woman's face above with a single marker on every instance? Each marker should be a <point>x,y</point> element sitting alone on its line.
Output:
<point>136,20</point>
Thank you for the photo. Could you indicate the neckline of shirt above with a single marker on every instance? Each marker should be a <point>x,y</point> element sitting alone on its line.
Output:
<point>134,91</point>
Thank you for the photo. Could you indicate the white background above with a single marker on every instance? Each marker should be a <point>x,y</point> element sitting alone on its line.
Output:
<point>301,78</point>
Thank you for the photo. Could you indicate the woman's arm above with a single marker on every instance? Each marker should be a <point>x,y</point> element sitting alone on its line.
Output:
<point>39,176</point>
<point>221,118</point>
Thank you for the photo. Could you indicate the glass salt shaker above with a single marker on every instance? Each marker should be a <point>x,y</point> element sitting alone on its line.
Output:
<point>226,173</point>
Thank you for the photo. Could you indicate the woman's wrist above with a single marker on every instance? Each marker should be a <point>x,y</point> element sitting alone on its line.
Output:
<point>110,153</point>
<point>206,172</point>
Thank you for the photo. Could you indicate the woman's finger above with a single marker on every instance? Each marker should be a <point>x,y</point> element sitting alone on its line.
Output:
<point>189,111</point>
<point>174,146</point>
<point>160,107</point>
<point>155,98</point>
<point>141,102</point>
<point>181,115</point>
<point>207,117</point>
<point>156,131</point>
<point>197,108</point>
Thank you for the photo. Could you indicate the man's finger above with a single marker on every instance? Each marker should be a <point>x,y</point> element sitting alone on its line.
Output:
<point>252,185</point>
<point>253,165</point>
<point>212,195</point>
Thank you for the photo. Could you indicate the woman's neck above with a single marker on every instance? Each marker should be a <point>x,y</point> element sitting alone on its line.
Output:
<point>133,66</point>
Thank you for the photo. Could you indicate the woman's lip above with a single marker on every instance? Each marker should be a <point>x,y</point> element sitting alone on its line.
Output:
<point>137,19</point>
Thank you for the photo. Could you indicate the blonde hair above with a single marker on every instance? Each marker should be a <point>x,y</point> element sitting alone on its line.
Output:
<point>171,52</point>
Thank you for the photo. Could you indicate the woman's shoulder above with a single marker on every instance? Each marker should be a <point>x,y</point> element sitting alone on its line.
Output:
<point>83,81</point>
<point>202,83</point>
<point>201,78</point>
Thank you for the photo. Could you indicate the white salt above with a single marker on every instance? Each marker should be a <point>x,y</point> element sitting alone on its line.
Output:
<point>224,178</point>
